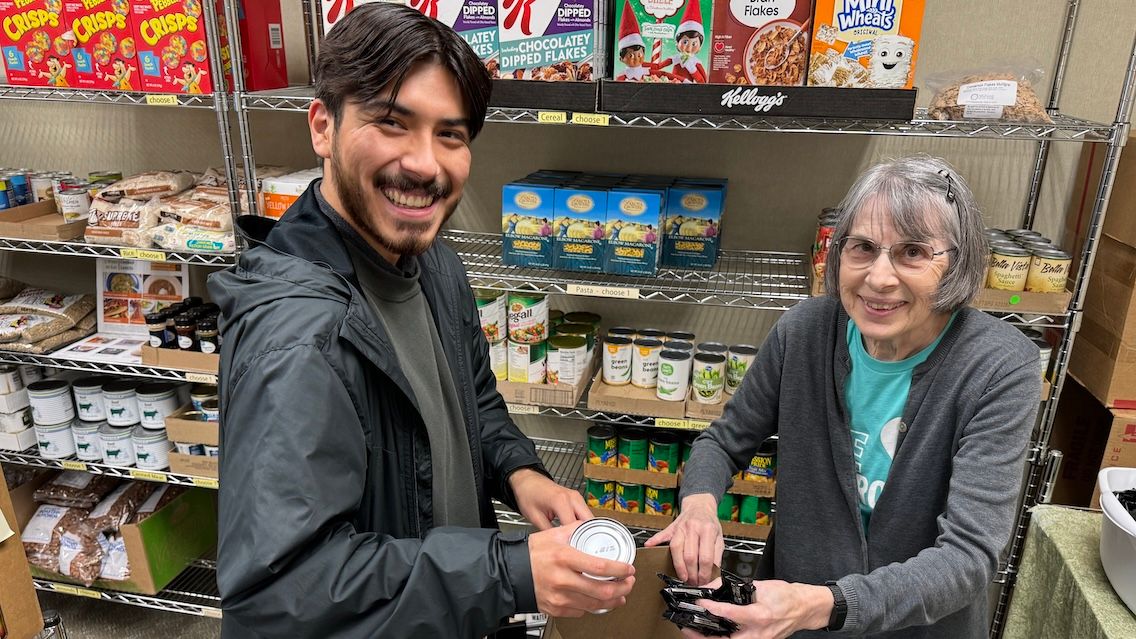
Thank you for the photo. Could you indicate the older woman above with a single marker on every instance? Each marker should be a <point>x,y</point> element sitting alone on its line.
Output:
<point>903,418</point>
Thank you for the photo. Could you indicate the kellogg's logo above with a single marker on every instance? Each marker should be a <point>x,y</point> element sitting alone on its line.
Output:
<point>742,96</point>
<point>581,203</point>
<point>878,14</point>
<point>694,202</point>
<point>527,200</point>
<point>633,206</point>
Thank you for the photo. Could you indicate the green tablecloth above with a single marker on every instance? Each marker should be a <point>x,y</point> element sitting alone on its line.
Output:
<point>1062,591</point>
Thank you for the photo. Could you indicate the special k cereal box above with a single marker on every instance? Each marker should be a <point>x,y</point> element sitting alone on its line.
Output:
<point>547,39</point>
<point>36,43</point>
<point>474,20</point>
<point>761,42</point>
<point>172,55</point>
<point>104,53</point>
<point>865,43</point>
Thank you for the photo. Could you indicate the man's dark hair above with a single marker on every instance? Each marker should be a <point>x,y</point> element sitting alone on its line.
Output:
<point>375,46</point>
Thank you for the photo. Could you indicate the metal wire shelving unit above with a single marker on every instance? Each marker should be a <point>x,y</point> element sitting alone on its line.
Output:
<point>132,370</point>
<point>91,96</point>
<point>30,457</point>
<point>82,249</point>
<point>193,592</point>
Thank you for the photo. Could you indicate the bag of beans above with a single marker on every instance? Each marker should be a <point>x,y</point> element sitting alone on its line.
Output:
<point>75,489</point>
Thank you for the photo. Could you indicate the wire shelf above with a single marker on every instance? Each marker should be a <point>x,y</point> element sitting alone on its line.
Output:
<point>90,96</point>
<point>193,592</point>
<point>30,457</point>
<point>134,370</point>
<point>81,249</point>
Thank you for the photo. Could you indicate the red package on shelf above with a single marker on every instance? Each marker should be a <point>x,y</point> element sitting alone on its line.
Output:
<point>104,53</point>
<point>172,54</point>
<point>36,43</point>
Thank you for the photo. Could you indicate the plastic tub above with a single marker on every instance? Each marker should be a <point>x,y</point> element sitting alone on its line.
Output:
<point>1118,534</point>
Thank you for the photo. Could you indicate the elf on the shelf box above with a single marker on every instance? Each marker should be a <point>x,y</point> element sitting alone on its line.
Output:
<point>663,40</point>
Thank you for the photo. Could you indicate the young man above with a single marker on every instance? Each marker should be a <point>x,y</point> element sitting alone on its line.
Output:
<point>363,433</point>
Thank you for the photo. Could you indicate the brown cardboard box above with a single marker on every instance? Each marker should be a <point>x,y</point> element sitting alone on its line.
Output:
<point>559,395</point>
<point>747,531</point>
<point>706,412</point>
<point>39,221</point>
<point>756,488</point>
<point>1120,222</point>
<point>194,465</point>
<point>631,399</point>
<point>1120,449</point>
<point>989,299</point>
<point>1104,353</point>
<point>18,601</point>
<point>191,431</point>
<point>182,360</point>
<point>1091,437</point>
<point>626,475</point>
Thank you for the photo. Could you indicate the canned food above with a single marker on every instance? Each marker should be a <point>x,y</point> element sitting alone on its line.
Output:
<point>151,448</point>
<point>583,317</point>
<point>18,191</point>
<point>1020,233</point>
<point>88,393</point>
<point>712,347</point>
<point>491,313</point>
<point>599,493</point>
<point>645,362</point>
<point>30,374</point>
<point>674,375</point>
<point>678,345</point>
<point>5,198</point>
<point>51,404</point>
<point>155,402</point>
<point>623,331</point>
<point>567,359</point>
<point>763,466</point>
<point>184,448</point>
<point>57,181</point>
<point>118,445</point>
<point>1045,351</point>
<point>755,510</point>
<point>88,442</point>
<point>74,200</point>
<point>104,176</point>
<point>41,188</point>
<point>1009,267</point>
<point>1048,271</point>
<point>10,380</point>
<point>121,402</point>
<point>555,318</point>
<point>663,453</point>
<point>55,440</point>
<point>212,451</point>
<point>658,501</point>
<point>527,362</point>
<point>632,446</point>
<point>738,361</point>
<point>628,497</point>
<point>602,446</point>
<point>201,393</point>
<point>728,508</point>
<point>16,422</point>
<point>680,336</point>
<point>708,377</point>
<point>211,410</point>
<point>604,538</point>
<point>587,331</point>
<point>617,360</point>
<point>652,333</point>
<point>826,226</point>
<point>528,318</point>
<point>499,359</point>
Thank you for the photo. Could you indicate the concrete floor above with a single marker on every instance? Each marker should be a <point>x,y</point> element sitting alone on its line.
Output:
<point>90,619</point>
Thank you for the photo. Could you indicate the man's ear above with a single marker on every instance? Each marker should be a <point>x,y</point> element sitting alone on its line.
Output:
<point>321,125</point>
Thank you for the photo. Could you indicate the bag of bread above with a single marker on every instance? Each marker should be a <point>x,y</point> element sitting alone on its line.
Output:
<point>180,237</point>
<point>75,489</point>
<point>1000,92</point>
<point>203,214</point>
<point>41,535</point>
<point>145,186</point>
<point>122,223</point>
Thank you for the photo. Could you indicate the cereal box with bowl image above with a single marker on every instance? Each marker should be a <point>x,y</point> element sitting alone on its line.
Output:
<point>580,229</point>
<point>693,226</point>
<point>663,40</point>
<point>634,230</point>
<point>36,43</point>
<point>527,213</point>
<point>551,40</point>
<point>104,52</point>
<point>170,38</point>
<point>762,42</point>
<point>868,44</point>
<point>474,20</point>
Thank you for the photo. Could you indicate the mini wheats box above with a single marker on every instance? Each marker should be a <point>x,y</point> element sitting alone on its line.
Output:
<point>662,40</point>
<point>527,212</point>
<point>865,43</point>
<point>172,54</point>
<point>474,20</point>
<point>547,39</point>
<point>37,43</point>
<point>761,42</point>
<point>581,229</point>
<point>104,53</point>
<point>634,231</point>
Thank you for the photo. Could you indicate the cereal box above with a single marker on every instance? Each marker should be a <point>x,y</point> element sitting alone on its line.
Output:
<point>761,42</point>
<point>526,224</point>
<point>104,50</point>
<point>693,225</point>
<point>170,37</point>
<point>580,229</point>
<point>37,43</point>
<point>662,40</point>
<point>634,231</point>
<point>547,39</point>
<point>474,20</point>
<point>865,43</point>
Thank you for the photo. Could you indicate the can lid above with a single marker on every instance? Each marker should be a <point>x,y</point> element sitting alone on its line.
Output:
<point>664,437</point>
<point>675,356</point>
<point>582,317</point>
<point>744,349</point>
<point>652,332</point>
<point>681,336</point>
<point>1013,251</point>
<point>87,427</point>
<point>203,390</point>
<point>118,432</point>
<point>575,328</point>
<point>600,431</point>
<point>1050,253</point>
<point>632,433</point>
<point>621,330</point>
<point>154,389</point>
<point>677,345</point>
<point>712,347</point>
<point>210,404</point>
<point>558,342</point>
<point>51,428</point>
<point>605,538</point>
<point>47,386</point>
<point>121,386</point>
<point>617,339</point>
<point>142,433</point>
<point>710,358</point>
<point>649,342</point>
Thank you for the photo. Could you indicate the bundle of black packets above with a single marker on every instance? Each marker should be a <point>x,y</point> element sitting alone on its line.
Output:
<point>1127,499</point>
<point>685,613</point>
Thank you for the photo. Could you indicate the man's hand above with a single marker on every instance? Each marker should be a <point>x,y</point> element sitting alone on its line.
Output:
<point>695,538</point>
<point>541,500</point>
<point>779,610</point>
<point>558,570</point>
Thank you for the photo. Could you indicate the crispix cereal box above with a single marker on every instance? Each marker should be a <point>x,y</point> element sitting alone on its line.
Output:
<point>172,54</point>
<point>474,20</point>
<point>104,53</point>
<point>36,43</point>
<point>527,213</point>
<point>580,229</point>
<point>547,39</point>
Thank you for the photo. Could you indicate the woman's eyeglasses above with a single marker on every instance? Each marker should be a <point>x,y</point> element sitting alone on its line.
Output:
<point>907,257</point>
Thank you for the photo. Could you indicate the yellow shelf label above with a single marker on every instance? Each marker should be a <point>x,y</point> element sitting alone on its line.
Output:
<point>85,592</point>
<point>667,422</point>
<point>694,424</point>
<point>74,465</point>
<point>591,119</point>
<point>205,482</point>
<point>143,254</point>
<point>523,409</point>
<point>67,590</point>
<point>162,100</point>
<point>212,613</point>
<point>201,378</point>
<point>599,290</point>
<point>148,475</point>
<point>552,117</point>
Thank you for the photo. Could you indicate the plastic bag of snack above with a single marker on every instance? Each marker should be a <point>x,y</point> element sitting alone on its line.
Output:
<point>38,301</point>
<point>202,214</point>
<point>144,186</point>
<point>41,535</point>
<point>30,328</point>
<point>118,507</point>
<point>122,223</point>
<point>1005,93</point>
<point>75,489</point>
<point>10,287</point>
<point>117,565</point>
<point>156,501</point>
<point>180,237</point>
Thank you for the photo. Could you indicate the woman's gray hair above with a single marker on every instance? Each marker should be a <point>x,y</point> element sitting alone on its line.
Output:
<point>924,198</point>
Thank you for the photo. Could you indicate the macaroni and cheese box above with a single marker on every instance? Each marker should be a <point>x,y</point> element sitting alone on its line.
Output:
<point>634,231</point>
<point>547,40</point>
<point>170,38</point>
<point>692,230</point>
<point>474,20</point>
<point>663,40</point>
<point>527,212</point>
<point>757,42</point>
<point>580,231</point>
<point>36,42</point>
<point>104,52</point>
<point>865,43</point>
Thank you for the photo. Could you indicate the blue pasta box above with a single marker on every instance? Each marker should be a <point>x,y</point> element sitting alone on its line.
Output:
<point>580,229</point>
<point>634,231</point>
<point>526,224</point>
<point>692,229</point>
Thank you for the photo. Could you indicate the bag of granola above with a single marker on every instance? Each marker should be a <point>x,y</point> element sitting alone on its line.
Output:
<point>1004,93</point>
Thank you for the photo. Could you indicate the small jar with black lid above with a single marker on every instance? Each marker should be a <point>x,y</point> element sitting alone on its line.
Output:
<point>156,324</point>
<point>186,325</point>
<point>207,337</point>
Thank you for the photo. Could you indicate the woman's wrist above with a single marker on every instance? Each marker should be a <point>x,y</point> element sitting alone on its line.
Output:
<point>819,604</point>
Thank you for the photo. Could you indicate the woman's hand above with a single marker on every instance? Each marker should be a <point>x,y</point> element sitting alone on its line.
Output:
<point>695,538</point>
<point>778,610</point>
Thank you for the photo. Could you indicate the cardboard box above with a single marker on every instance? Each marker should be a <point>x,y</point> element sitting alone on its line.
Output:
<point>527,212</point>
<point>865,43</point>
<point>580,226</point>
<point>1120,448</point>
<point>18,442</point>
<point>39,221</point>
<point>36,44</point>
<point>1104,353</point>
<point>194,465</point>
<point>646,36</point>
<point>1080,431</point>
<point>746,531</point>
<point>631,399</point>
<point>1120,222</point>
<point>548,40</point>
<point>262,39</point>
<point>170,40</point>
<point>558,395</point>
<point>191,431</point>
<point>626,475</point>
<point>13,402</point>
<point>104,52</point>
<point>989,299</point>
<point>706,412</point>
<point>744,31</point>
<point>181,360</point>
<point>755,488</point>
<point>636,520</point>
<point>18,602</point>
<point>161,546</point>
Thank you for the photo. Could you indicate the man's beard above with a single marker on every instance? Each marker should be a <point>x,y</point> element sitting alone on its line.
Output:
<point>413,237</point>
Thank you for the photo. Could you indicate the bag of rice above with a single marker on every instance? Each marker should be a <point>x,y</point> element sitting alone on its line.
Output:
<point>30,328</point>
<point>147,185</point>
<point>38,301</point>
<point>179,237</point>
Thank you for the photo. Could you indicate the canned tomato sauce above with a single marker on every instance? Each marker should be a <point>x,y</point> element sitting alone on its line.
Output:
<point>1009,267</point>
<point>1048,271</point>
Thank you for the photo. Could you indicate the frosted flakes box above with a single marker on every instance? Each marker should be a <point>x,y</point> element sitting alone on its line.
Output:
<point>580,228</point>
<point>547,39</point>
<point>761,42</point>
<point>662,40</point>
<point>865,43</point>
<point>170,38</point>
<point>104,53</point>
<point>634,231</point>
<point>527,212</point>
<point>474,20</point>
<point>693,226</point>
<point>36,43</point>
